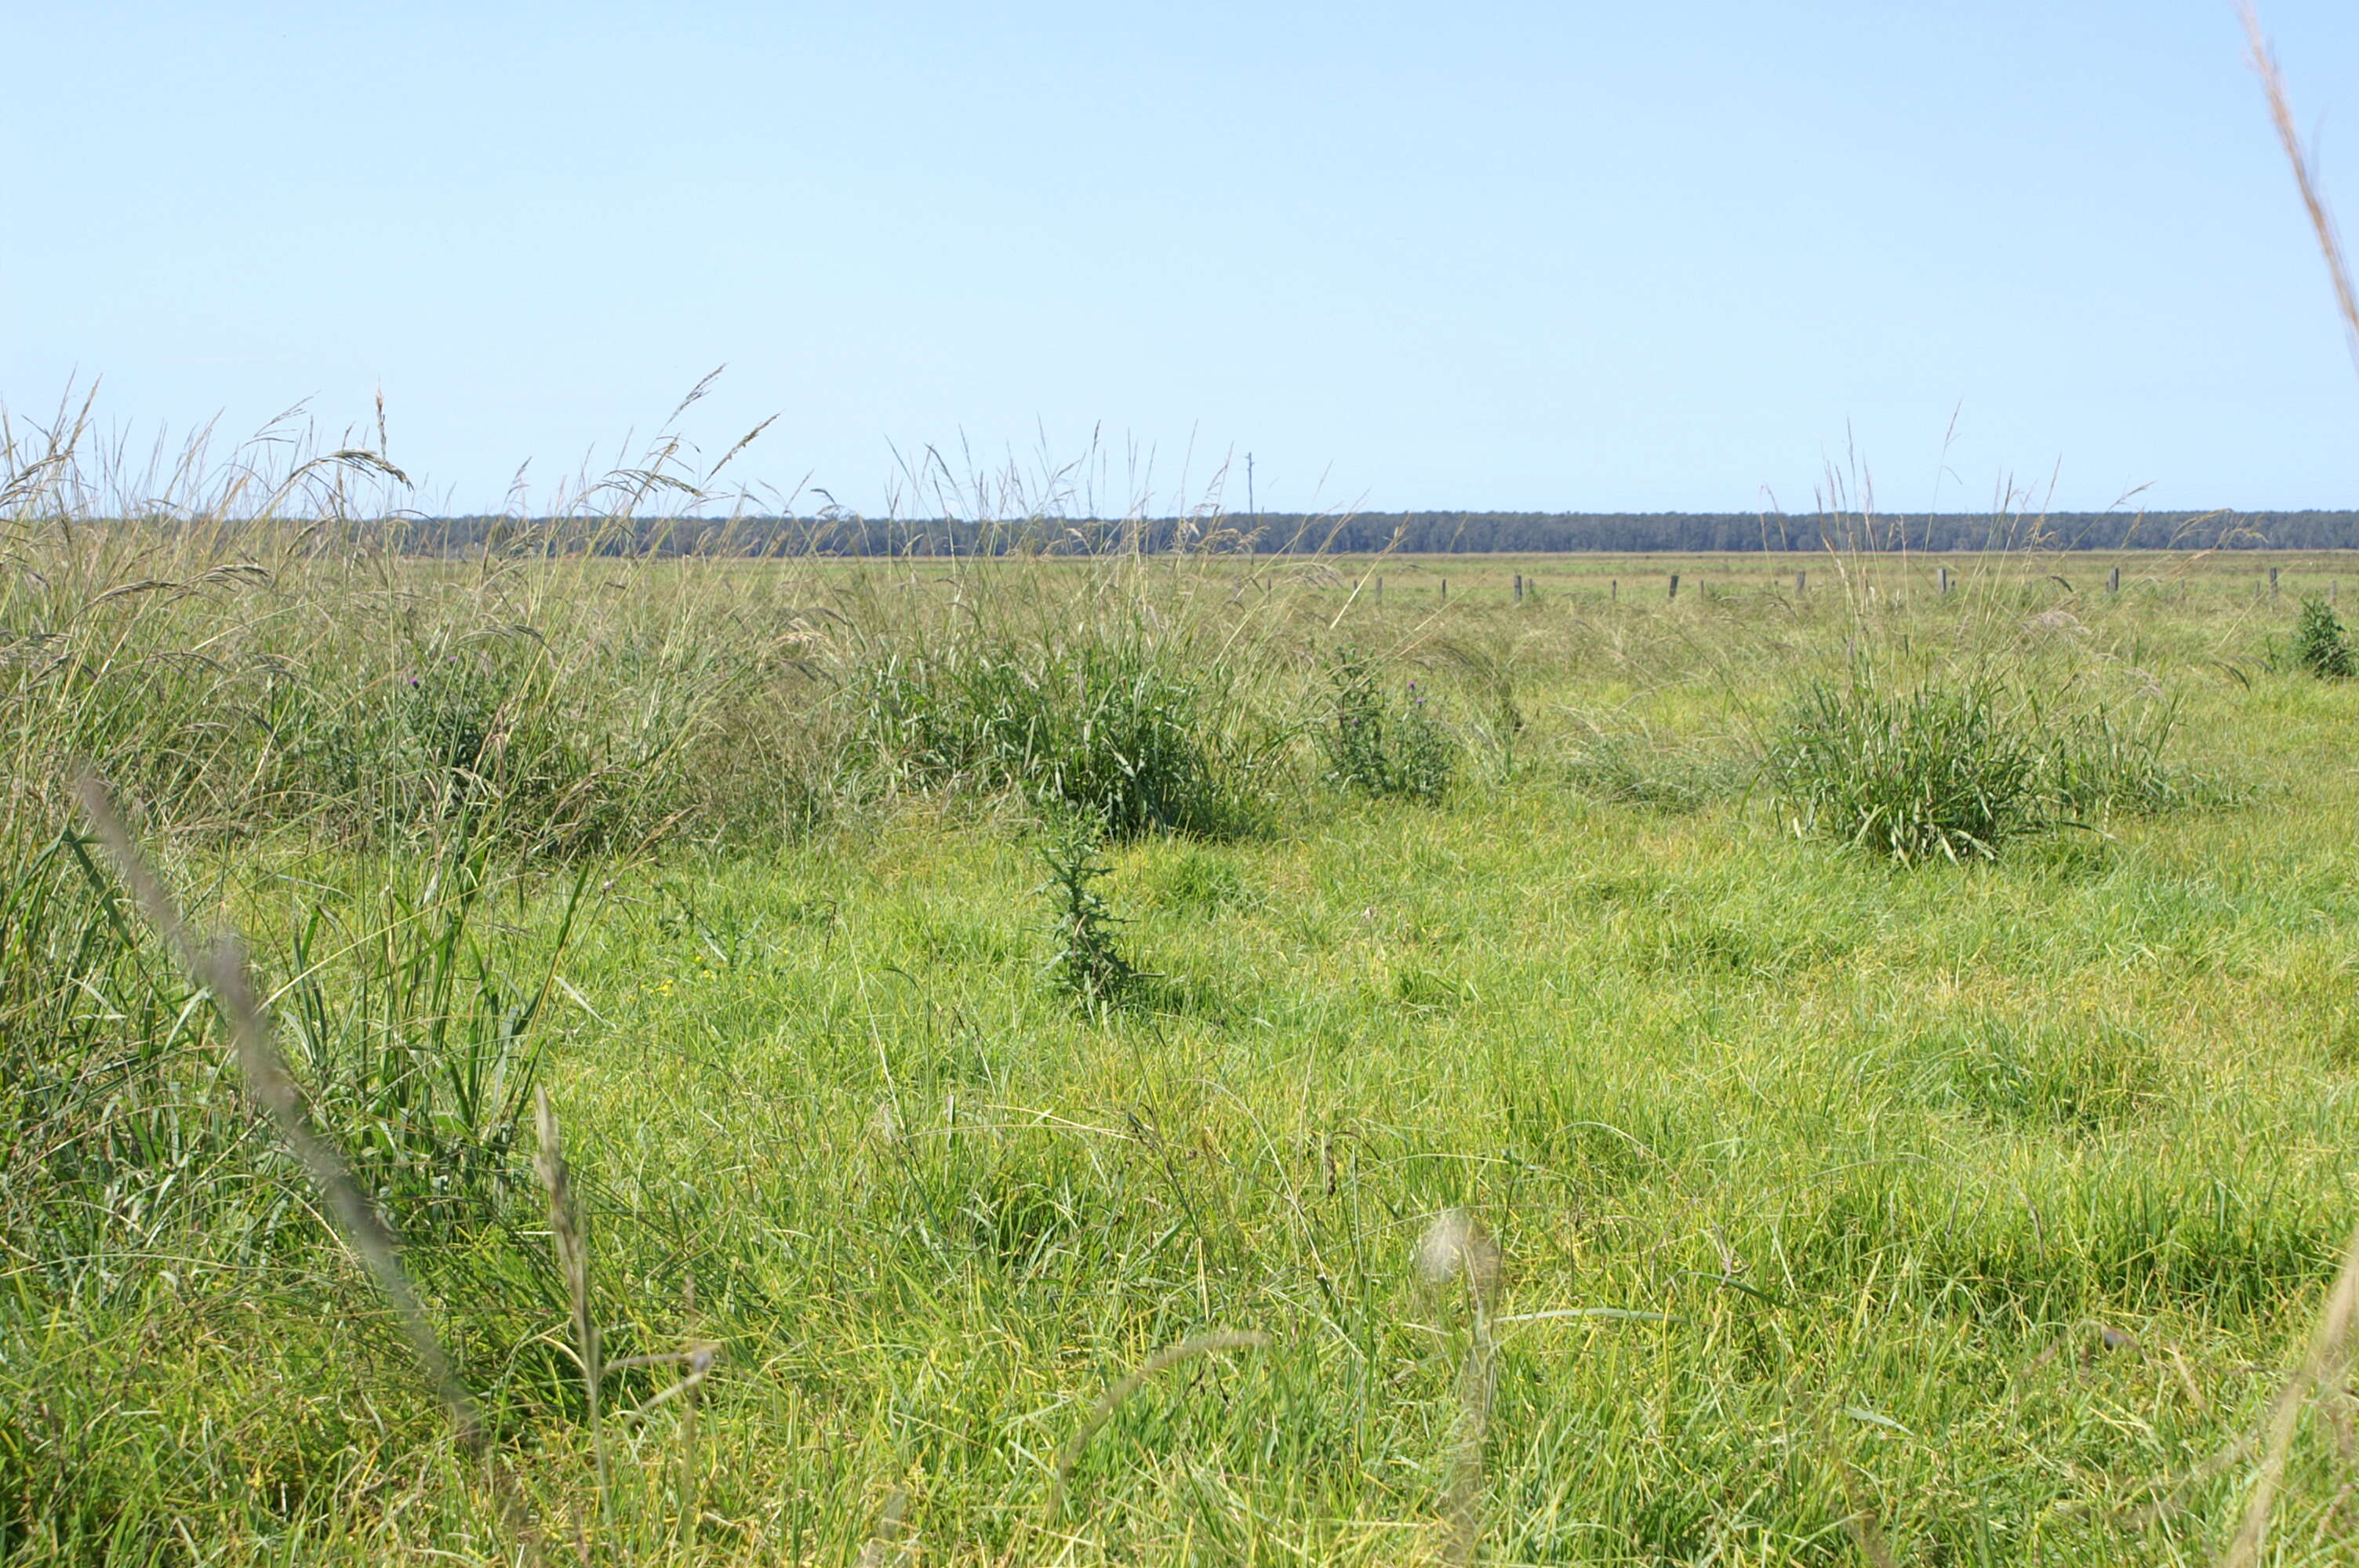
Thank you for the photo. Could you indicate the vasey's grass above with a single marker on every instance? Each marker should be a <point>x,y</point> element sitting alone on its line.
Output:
<point>1957,771</point>
<point>1126,733</point>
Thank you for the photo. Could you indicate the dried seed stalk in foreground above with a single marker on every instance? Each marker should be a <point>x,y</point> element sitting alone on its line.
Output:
<point>2323,1362</point>
<point>1213,1343</point>
<point>572,1248</point>
<point>1456,1246</point>
<point>218,966</point>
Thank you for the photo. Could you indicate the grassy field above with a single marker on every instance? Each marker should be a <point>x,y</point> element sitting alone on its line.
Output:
<point>1528,1119</point>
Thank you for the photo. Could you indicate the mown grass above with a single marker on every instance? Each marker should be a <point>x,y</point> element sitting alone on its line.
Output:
<point>1971,1211</point>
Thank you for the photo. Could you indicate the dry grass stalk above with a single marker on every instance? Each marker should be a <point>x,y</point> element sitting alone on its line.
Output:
<point>218,966</point>
<point>1464,1503</point>
<point>572,1245</point>
<point>2328,1342</point>
<point>1455,1246</point>
<point>2322,220</point>
<point>698,1359</point>
<point>1867,1533</point>
<point>1218,1342</point>
<point>881,1548</point>
<point>2323,1362</point>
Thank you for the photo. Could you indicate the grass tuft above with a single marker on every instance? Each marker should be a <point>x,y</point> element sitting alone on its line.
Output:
<point>1114,729</point>
<point>1957,772</point>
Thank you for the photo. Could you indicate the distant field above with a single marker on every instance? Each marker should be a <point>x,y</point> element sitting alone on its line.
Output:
<point>2208,577</point>
<point>2149,573</point>
<point>1545,1124</point>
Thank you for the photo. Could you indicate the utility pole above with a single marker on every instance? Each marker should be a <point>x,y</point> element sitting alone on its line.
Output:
<point>1249,491</point>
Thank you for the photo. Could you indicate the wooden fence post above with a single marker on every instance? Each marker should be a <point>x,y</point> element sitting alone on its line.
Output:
<point>2114,582</point>
<point>1675,585</point>
<point>1801,582</point>
<point>2273,582</point>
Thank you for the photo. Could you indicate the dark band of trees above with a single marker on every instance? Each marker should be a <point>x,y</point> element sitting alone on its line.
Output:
<point>1414,532</point>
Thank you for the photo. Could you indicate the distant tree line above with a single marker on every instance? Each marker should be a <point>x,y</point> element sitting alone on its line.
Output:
<point>1415,533</point>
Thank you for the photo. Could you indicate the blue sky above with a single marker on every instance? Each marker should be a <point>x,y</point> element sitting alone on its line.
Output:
<point>1484,256</point>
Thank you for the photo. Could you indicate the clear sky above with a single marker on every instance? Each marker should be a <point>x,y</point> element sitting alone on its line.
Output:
<point>1562,256</point>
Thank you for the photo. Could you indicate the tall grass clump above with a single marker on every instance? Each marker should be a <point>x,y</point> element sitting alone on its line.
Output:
<point>1384,743</point>
<point>254,643</point>
<point>1956,771</point>
<point>106,1072</point>
<point>1926,774</point>
<point>417,1045</point>
<point>139,1183</point>
<point>1132,736</point>
<point>411,1037</point>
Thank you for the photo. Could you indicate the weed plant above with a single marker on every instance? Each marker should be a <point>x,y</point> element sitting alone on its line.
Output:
<point>413,1044</point>
<point>2320,645</point>
<point>1090,967</point>
<point>1382,743</point>
<point>105,1084</point>
<point>416,1044</point>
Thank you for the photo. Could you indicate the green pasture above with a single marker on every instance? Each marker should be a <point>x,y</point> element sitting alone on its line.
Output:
<point>1579,1166</point>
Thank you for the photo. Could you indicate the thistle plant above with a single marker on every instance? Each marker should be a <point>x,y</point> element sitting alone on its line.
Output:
<point>2320,643</point>
<point>1089,965</point>
<point>1383,745</point>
